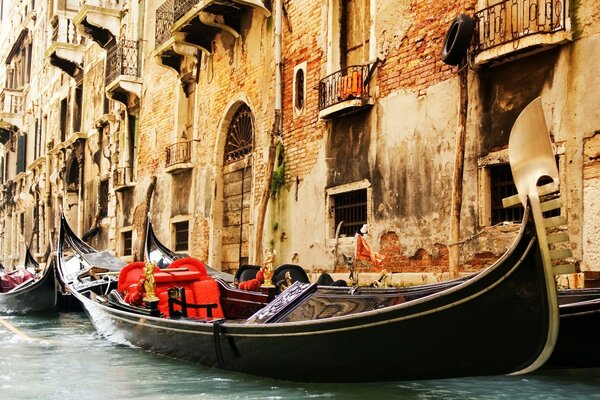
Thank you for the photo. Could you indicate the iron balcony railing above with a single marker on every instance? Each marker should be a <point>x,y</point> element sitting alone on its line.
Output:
<point>122,59</point>
<point>179,153</point>
<point>165,18</point>
<point>348,83</point>
<point>181,7</point>
<point>511,20</point>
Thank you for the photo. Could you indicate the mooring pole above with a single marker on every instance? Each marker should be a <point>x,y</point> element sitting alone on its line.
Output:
<point>457,179</point>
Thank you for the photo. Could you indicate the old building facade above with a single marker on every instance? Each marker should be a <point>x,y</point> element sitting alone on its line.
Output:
<point>242,125</point>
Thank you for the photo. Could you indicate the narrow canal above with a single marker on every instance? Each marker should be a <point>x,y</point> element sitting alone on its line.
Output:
<point>60,356</point>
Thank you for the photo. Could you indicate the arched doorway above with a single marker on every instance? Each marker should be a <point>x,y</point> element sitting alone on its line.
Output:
<point>237,189</point>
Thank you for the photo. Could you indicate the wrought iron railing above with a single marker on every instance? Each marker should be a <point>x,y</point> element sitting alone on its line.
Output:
<point>165,17</point>
<point>120,177</point>
<point>122,59</point>
<point>179,153</point>
<point>12,101</point>
<point>345,84</point>
<point>511,20</point>
<point>181,7</point>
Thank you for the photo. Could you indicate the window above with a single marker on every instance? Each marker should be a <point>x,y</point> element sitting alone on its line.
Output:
<point>240,136</point>
<point>21,153</point>
<point>502,185</point>
<point>127,240</point>
<point>133,133</point>
<point>349,209</point>
<point>63,119</point>
<point>103,198</point>
<point>355,32</point>
<point>78,109</point>
<point>299,88</point>
<point>181,235</point>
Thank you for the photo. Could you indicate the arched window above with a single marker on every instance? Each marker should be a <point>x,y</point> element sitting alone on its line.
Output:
<point>240,136</point>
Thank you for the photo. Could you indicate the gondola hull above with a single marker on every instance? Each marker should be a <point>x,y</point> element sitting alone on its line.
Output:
<point>577,345</point>
<point>39,295</point>
<point>498,322</point>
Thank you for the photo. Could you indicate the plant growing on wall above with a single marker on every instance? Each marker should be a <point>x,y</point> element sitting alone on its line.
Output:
<point>278,176</point>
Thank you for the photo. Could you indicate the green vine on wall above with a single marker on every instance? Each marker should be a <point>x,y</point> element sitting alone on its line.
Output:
<point>278,177</point>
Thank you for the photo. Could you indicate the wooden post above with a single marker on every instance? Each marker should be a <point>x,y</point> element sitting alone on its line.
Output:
<point>457,179</point>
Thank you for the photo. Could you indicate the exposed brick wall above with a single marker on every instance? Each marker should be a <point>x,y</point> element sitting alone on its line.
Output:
<point>415,63</point>
<point>302,134</point>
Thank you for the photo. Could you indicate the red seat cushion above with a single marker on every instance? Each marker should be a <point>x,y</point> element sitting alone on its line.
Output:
<point>191,263</point>
<point>207,292</point>
<point>180,276</point>
<point>130,274</point>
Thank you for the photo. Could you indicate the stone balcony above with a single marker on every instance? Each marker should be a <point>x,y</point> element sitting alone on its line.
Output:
<point>178,157</point>
<point>12,112</point>
<point>123,82</point>
<point>99,20</point>
<point>186,27</point>
<point>66,48</point>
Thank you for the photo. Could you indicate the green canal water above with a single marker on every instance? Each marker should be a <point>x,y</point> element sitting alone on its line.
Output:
<point>60,356</point>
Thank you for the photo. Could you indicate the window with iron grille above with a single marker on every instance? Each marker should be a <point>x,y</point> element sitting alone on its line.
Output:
<point>127,239</point>
<point>181,235</point>
<point>350,209</point>
<point>103,198</point>
<point>240,136</point>
<point>502,185</point>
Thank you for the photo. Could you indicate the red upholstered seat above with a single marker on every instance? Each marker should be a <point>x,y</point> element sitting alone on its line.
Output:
<point>191,263</point>
<point>200,288</point>
<point>207,292</point>
<point>131,274</point>
<point>179,276</point>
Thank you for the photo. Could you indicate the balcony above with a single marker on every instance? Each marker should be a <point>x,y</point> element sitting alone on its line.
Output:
<point>185,26</point>
<point>11,118</point>
<point>179,157</point>
<point>514,28</point>
<point>123,83</point>
<point>122,179</point>
<point>66,49</point>
<point>99,20</point>
<point>345,91</point>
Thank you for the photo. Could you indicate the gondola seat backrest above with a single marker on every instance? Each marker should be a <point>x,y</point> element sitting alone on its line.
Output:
<point>200,287</point>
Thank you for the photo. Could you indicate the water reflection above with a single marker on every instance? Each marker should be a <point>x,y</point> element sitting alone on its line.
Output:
<point>63,358</point>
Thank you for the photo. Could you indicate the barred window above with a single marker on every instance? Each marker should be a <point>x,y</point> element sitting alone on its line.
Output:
<point>350,209</point>
<point>502,186</point>
<point>181,235</point>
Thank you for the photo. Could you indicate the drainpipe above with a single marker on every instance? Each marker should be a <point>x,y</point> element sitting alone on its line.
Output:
<point>278,87</point>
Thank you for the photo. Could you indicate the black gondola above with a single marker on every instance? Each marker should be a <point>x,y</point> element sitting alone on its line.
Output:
<point>503,320</point>
<point>35,291</point>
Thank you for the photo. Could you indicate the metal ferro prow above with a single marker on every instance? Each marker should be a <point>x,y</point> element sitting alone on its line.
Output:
<point>531,158</point>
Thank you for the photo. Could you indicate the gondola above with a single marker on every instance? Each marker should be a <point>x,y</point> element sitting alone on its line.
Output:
<point>162,256</point>
<point>504,320</point>
<point>577,345</point>
<point>83,268</point>
<point>25,290</point>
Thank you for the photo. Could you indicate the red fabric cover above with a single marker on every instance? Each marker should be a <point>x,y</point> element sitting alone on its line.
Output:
<point>14,278</point>
<point>199,287</point>
<point>253,284</point>
<point>130,274</point>
<point>207,292</point>
<point>180,276</point>
<point>191,263</point>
